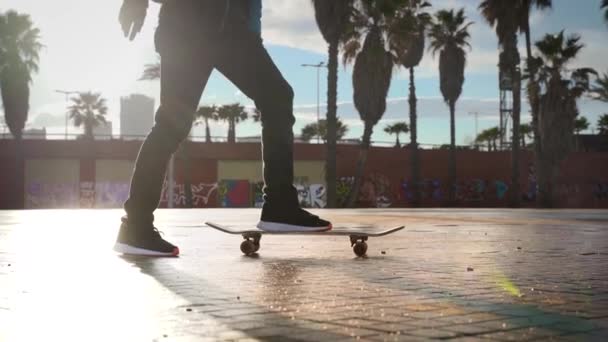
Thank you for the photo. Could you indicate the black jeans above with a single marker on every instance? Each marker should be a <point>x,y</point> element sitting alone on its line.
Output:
<point>188,57</point>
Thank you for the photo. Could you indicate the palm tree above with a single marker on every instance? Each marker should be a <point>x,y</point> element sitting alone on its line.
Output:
<point>449,36</point>
<point>88,110</point>
<point>532,90</point>
<point>407,39</point>
<point>332,18</point>
<point>233,114</point>
<point>561,87</point>
<point>580,124</point>
<point>489,136</point>
<point>602,124</point>
<point>604,7</point>
<point>207,113</point>
<point>19,55</point>
<point>483,137</point>
<point>319,129</point>
<point>525,130</point>
<point>600,90</point>
<point>397,128</point>
<point>151,72</point>
<point>371,73</point>
<point>505,16</point>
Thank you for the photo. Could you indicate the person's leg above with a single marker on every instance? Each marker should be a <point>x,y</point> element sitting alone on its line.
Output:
<point>184,74</point>
<point>244,61</point>
<point>182,82</point>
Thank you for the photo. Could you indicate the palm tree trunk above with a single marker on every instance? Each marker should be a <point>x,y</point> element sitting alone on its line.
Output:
<point>354,192</point>
<point>207,131</point>
<point>397,143</point>
<point>231,135</point>
<point>88,130</point>
<point>332,125</point>
<point>533,98</point>
<point>452,159</point>
<point>15,93</point>
<point>414,142</point>
<point>516,77</point>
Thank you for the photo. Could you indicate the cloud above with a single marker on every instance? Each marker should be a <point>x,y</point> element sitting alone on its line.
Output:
<point>292,23</point>
<point>48,120</point>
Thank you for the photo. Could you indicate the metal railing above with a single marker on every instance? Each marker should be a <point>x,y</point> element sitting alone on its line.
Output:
<point>220,139</point>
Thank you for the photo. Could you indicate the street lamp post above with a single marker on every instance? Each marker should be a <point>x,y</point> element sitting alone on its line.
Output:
<point>67,94</point>
<point>476,114</point>
<point>318,67</point>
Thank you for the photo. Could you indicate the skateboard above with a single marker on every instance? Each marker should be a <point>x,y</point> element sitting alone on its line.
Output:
<point>358,235</point>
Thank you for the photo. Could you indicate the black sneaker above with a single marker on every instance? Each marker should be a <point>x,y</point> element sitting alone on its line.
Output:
<point>145,241</point>
<point>294,220</point>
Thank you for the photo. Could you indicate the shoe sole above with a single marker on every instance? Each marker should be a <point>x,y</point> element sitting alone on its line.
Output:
<point>283,227</point>
<point>130,250</point>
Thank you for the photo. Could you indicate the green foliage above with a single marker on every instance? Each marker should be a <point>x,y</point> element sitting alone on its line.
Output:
<point>600,90</point>
<point>319,129</point>
<point>602,124</point>
<point>19,56</point>
<point>449,35</point>
<point>397,128</point>
<point>89,110</point>
<point>233,114</point>
<point>580,124</point>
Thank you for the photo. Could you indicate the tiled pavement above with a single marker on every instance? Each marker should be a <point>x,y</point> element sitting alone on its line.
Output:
<point>452,274</point>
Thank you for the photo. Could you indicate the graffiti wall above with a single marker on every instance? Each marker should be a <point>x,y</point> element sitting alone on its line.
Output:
<point>111,194</point>
<point>234,193</point>
<point>51,195</point>
<point>52,183</point>
<point>203,195</point>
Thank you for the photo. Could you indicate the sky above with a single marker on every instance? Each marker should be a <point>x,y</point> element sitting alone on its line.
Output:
<point>85,51</point>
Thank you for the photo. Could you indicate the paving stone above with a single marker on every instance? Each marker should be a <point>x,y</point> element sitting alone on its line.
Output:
<point>551,288</point>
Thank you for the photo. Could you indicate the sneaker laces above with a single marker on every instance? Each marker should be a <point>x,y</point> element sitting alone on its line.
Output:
<point>158,232</point>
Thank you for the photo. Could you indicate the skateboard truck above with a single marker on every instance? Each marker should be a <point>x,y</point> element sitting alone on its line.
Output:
<point>251,243</point>
<point>357,242</point>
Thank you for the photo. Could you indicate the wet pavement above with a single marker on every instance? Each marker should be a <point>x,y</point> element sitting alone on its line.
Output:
<point>451,274</point>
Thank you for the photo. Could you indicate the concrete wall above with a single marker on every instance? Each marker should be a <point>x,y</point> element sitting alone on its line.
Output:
<point>52,183</point>
<point>78,173</point>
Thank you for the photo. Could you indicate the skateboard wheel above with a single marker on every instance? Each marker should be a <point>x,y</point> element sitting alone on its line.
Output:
<point>360,248</point>
<point>248,247</point>
<point>256,247</point>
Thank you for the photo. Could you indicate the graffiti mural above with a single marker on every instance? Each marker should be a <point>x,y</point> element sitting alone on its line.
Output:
<point>472,190</point>
<point>51,195</point>
<point>318,196</point>
<point>600,191</point>
<point>258,194</point>
<point>87,194</point>
<point>343,186</point>
<point>234,193</point>
<point>532,189</point>
<point>501,189</point>
<point>312,196</point>
<point>111,195</point>
<point>429,189</point>
<point>201,194</point>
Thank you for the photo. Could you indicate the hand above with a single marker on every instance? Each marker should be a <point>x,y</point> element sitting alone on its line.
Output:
<point>132,16</point>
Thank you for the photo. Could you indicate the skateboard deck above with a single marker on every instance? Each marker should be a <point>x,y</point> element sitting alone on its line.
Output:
<point>358,234</point>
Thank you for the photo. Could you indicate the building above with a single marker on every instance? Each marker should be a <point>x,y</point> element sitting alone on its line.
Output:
<point>136,116</point>
<point>103,131</point>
